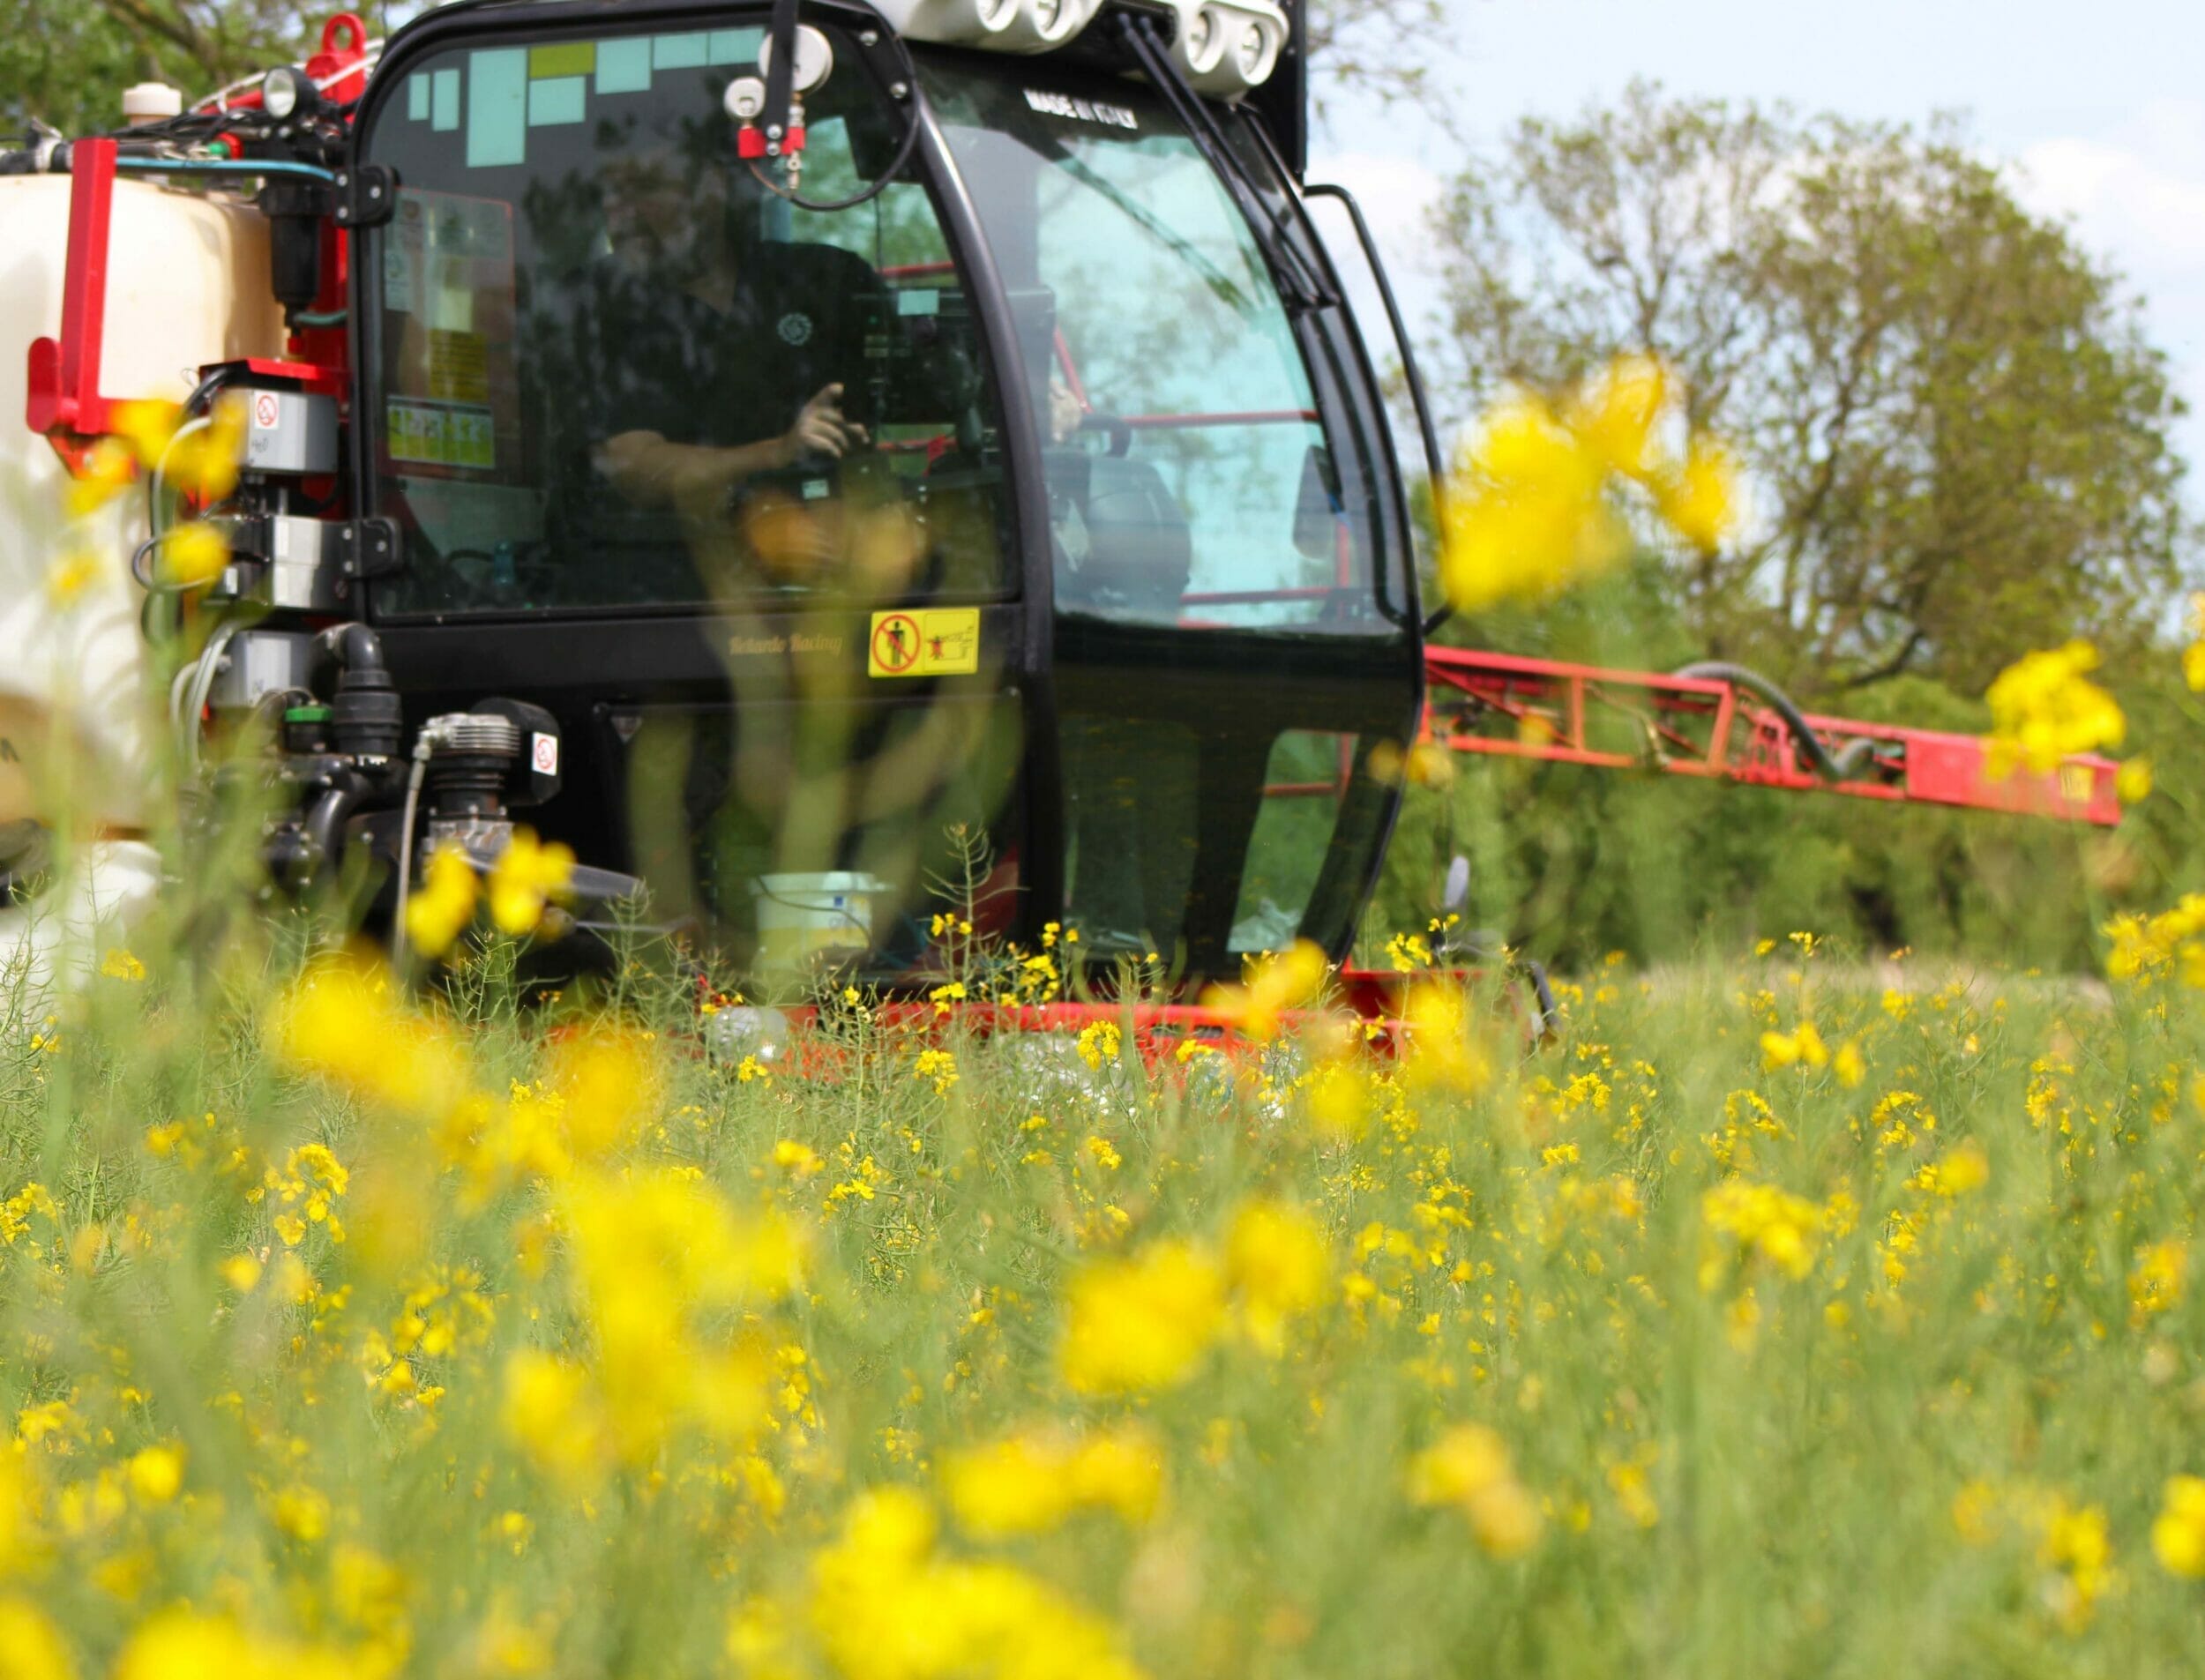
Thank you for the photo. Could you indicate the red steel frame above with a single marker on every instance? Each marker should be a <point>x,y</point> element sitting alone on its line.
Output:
<point>1684,726</point>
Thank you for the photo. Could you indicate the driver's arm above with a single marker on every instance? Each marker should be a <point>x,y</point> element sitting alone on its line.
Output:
<point>696,478</point>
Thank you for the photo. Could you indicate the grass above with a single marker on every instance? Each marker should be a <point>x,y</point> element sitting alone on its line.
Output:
<point>1687,1344</point>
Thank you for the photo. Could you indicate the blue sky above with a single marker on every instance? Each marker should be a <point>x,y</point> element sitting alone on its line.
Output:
<point>2099,107</point>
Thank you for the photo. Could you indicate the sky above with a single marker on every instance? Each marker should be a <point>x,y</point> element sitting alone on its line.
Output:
<point>2099,108</point>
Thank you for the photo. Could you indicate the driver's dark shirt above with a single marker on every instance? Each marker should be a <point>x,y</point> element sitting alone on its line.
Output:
<point>650,356</point>
<point>668,362</point>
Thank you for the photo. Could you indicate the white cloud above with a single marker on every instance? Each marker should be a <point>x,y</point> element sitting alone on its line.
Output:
<point>2136,195</point>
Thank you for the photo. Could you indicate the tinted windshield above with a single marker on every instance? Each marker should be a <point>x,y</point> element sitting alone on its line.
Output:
<point>1191,482</point>
<point>618,369</point>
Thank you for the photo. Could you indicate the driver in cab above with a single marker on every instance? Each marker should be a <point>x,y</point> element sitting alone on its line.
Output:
<point>703,356</point>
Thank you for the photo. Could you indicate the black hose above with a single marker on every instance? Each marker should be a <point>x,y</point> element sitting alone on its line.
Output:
<point>324,823</point>
<point>353,648</point>
<point>1839,766</point>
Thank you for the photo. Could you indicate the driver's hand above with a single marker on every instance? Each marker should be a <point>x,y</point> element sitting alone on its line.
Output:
<point>821,429</point>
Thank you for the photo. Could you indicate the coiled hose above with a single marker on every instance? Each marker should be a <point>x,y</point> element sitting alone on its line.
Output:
<point>1838,766</point>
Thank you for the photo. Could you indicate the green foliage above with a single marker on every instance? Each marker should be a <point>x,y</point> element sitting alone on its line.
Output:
<point>1954,431</point>
<point>67,64</point>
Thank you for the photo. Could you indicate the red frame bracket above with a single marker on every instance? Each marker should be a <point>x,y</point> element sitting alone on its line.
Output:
<point>63,400</point>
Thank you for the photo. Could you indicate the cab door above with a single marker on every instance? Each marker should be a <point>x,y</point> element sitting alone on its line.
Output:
<point>1234,653</point>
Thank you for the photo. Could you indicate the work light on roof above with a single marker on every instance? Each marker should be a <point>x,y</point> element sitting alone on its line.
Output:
<point>1222,47</point>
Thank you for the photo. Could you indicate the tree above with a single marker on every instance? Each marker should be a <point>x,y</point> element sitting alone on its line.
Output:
<point>67,64</point>
<point>1385,46</point>
<point>1955,433</point>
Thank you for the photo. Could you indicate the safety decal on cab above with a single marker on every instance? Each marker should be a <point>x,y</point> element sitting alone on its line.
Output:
<point>941,643</point>
<point>419,434</point>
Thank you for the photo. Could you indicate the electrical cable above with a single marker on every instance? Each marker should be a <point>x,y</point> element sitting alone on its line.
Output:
<point>779,99</point>
<point>205,669</point>
<point>156,520</point>
<point>423,747</point>
<point>1839,766</point>
<point>888,176</point>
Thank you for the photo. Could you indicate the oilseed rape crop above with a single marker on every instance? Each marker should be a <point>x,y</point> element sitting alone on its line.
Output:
<point>1788,1314</point>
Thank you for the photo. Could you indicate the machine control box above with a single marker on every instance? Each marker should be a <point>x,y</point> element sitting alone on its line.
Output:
<point>288,432</point>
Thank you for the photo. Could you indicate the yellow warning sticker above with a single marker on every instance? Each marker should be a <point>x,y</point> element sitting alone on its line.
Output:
<point>458,367</point>
<point>940,643</point>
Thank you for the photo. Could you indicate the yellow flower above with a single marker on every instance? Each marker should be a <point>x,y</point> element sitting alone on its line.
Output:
<point>1279,1268</point>
<point>202,462</point>
<point>2044,708</point>
<point>440,912</point>
<point>940,1066</point>
<point>31,1647</point>
<point>1531,509</point>
<point>345,1020</point>
<point>146,426</point>
<point>551,1415</point>
<point>796,1158</point>
<point>527,877</point>
<point>1030,1482</point>
<point>1965,1169</point>
<point>301,1513</point>
<point>183,1644</point>
<point>2132,782</point>
<point>1340,1099</point>
<point>2178,1533</point>
<point>1274,984</point>
<point>1098,1042</point>
<point>1849,1067</point>
<point>156,1473</point>
<point>885,1606</point>
<point>192,554</point>
<point>1616,416</point>
<point>241,1271</point>
<point>1804,1046</point>
<point>1701,500</point>
<point>2157,1282</point>
<point>1468,1468</point>
<point>107,466</point>
<point>1120,1470</point>
<point>1763,1220</point>
<point>1441,1051</point>
<point>2077,1544</point>
<point>119,964</point>
<point>68,577</point>
<point>609,1083</point>
<point>1015,1486</point>
<point>1141,1323</point>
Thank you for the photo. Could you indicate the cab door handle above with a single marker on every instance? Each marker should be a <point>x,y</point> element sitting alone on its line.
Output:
<point>1435,463</point>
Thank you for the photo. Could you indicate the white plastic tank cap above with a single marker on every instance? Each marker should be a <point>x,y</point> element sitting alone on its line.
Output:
<point>150,101</point>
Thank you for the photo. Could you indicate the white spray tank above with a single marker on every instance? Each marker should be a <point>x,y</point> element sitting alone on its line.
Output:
<point>80,733</point>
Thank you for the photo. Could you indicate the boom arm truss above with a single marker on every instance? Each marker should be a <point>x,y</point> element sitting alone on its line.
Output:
<point>1716,728</point>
